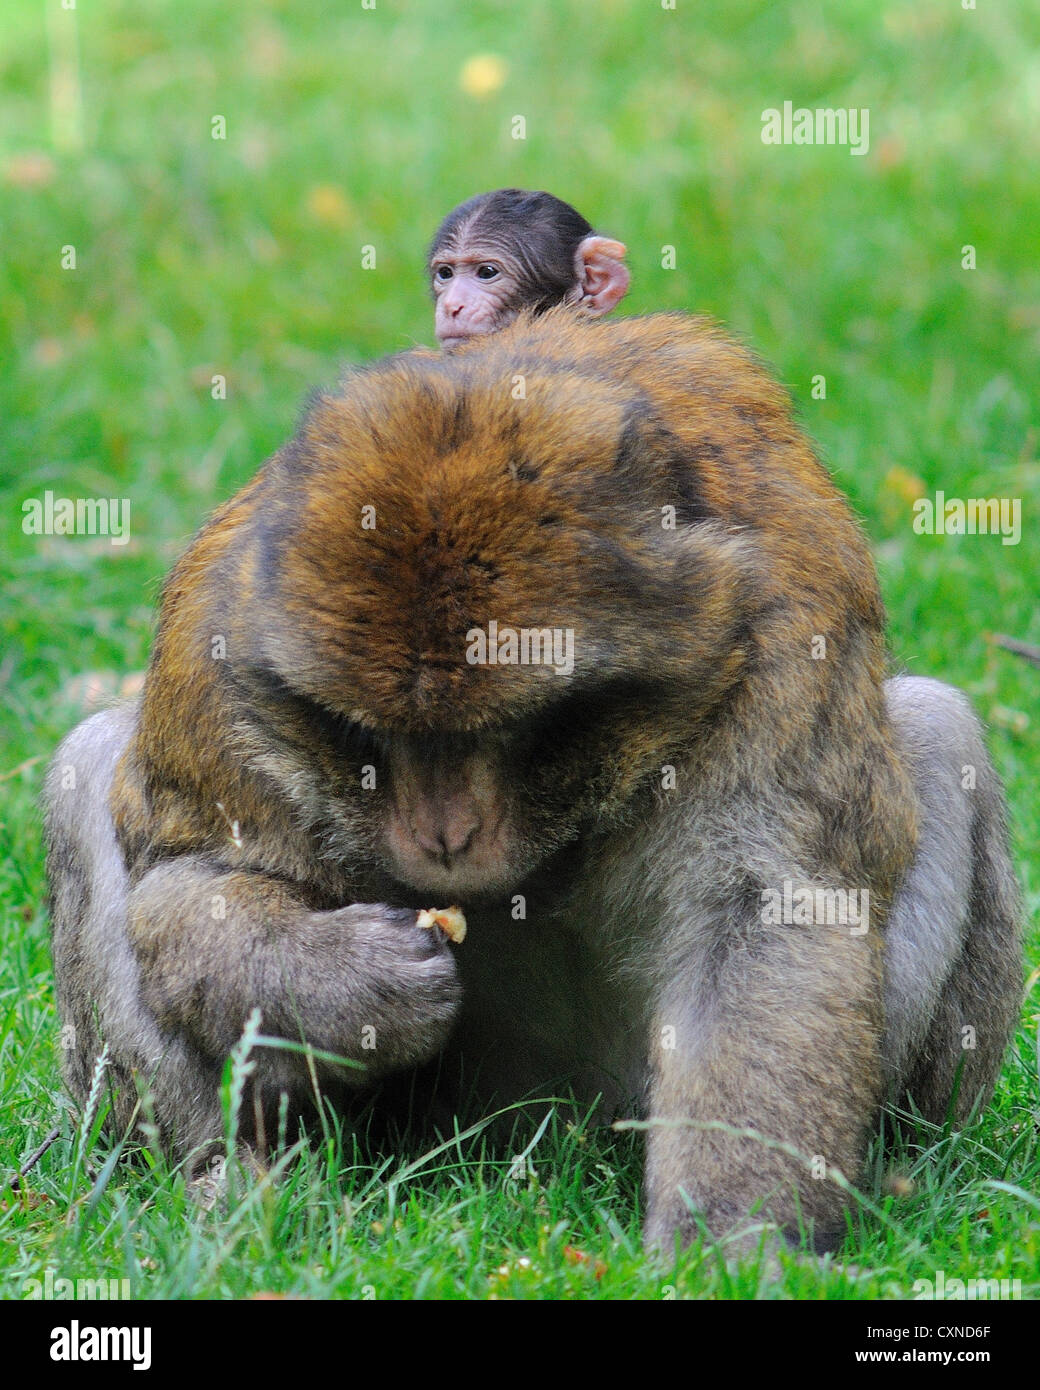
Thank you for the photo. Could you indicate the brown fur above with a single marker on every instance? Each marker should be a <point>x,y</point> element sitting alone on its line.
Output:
<point>242,778</point>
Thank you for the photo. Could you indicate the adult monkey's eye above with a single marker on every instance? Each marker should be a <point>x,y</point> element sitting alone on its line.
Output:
<point>487,271</point>
<point>444,272</point>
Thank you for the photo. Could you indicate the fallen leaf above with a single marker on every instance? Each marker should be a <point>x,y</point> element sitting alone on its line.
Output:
<point>31,169</point>
<point>482,75</point>
<point>329,205</point>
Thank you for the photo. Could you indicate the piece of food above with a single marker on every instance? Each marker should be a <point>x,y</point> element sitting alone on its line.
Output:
<point>449,919</point>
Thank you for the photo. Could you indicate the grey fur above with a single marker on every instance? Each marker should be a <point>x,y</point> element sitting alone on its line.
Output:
<point>952,959</point>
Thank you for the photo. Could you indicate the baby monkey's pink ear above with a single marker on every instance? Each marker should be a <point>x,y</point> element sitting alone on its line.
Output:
<point>602,275</point>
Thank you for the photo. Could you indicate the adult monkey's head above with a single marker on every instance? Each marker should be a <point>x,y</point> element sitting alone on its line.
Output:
<point>500,253</point>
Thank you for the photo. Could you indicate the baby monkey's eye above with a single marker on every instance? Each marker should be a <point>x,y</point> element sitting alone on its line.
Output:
<point>487,271</point>
<point>444,272</point>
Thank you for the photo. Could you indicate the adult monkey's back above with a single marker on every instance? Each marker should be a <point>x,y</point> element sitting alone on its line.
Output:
<point>619,829</point>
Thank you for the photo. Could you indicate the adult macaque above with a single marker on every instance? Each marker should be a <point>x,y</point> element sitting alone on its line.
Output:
<point>501,253</point>
<point>694,734</point>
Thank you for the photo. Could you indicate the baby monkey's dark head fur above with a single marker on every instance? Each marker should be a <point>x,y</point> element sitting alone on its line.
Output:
<point>500,253</point>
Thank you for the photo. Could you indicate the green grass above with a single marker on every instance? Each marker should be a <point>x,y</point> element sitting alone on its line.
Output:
<point>243,257</point>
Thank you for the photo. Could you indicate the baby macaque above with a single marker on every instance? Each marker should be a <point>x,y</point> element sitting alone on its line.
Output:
<point>500,253</point>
